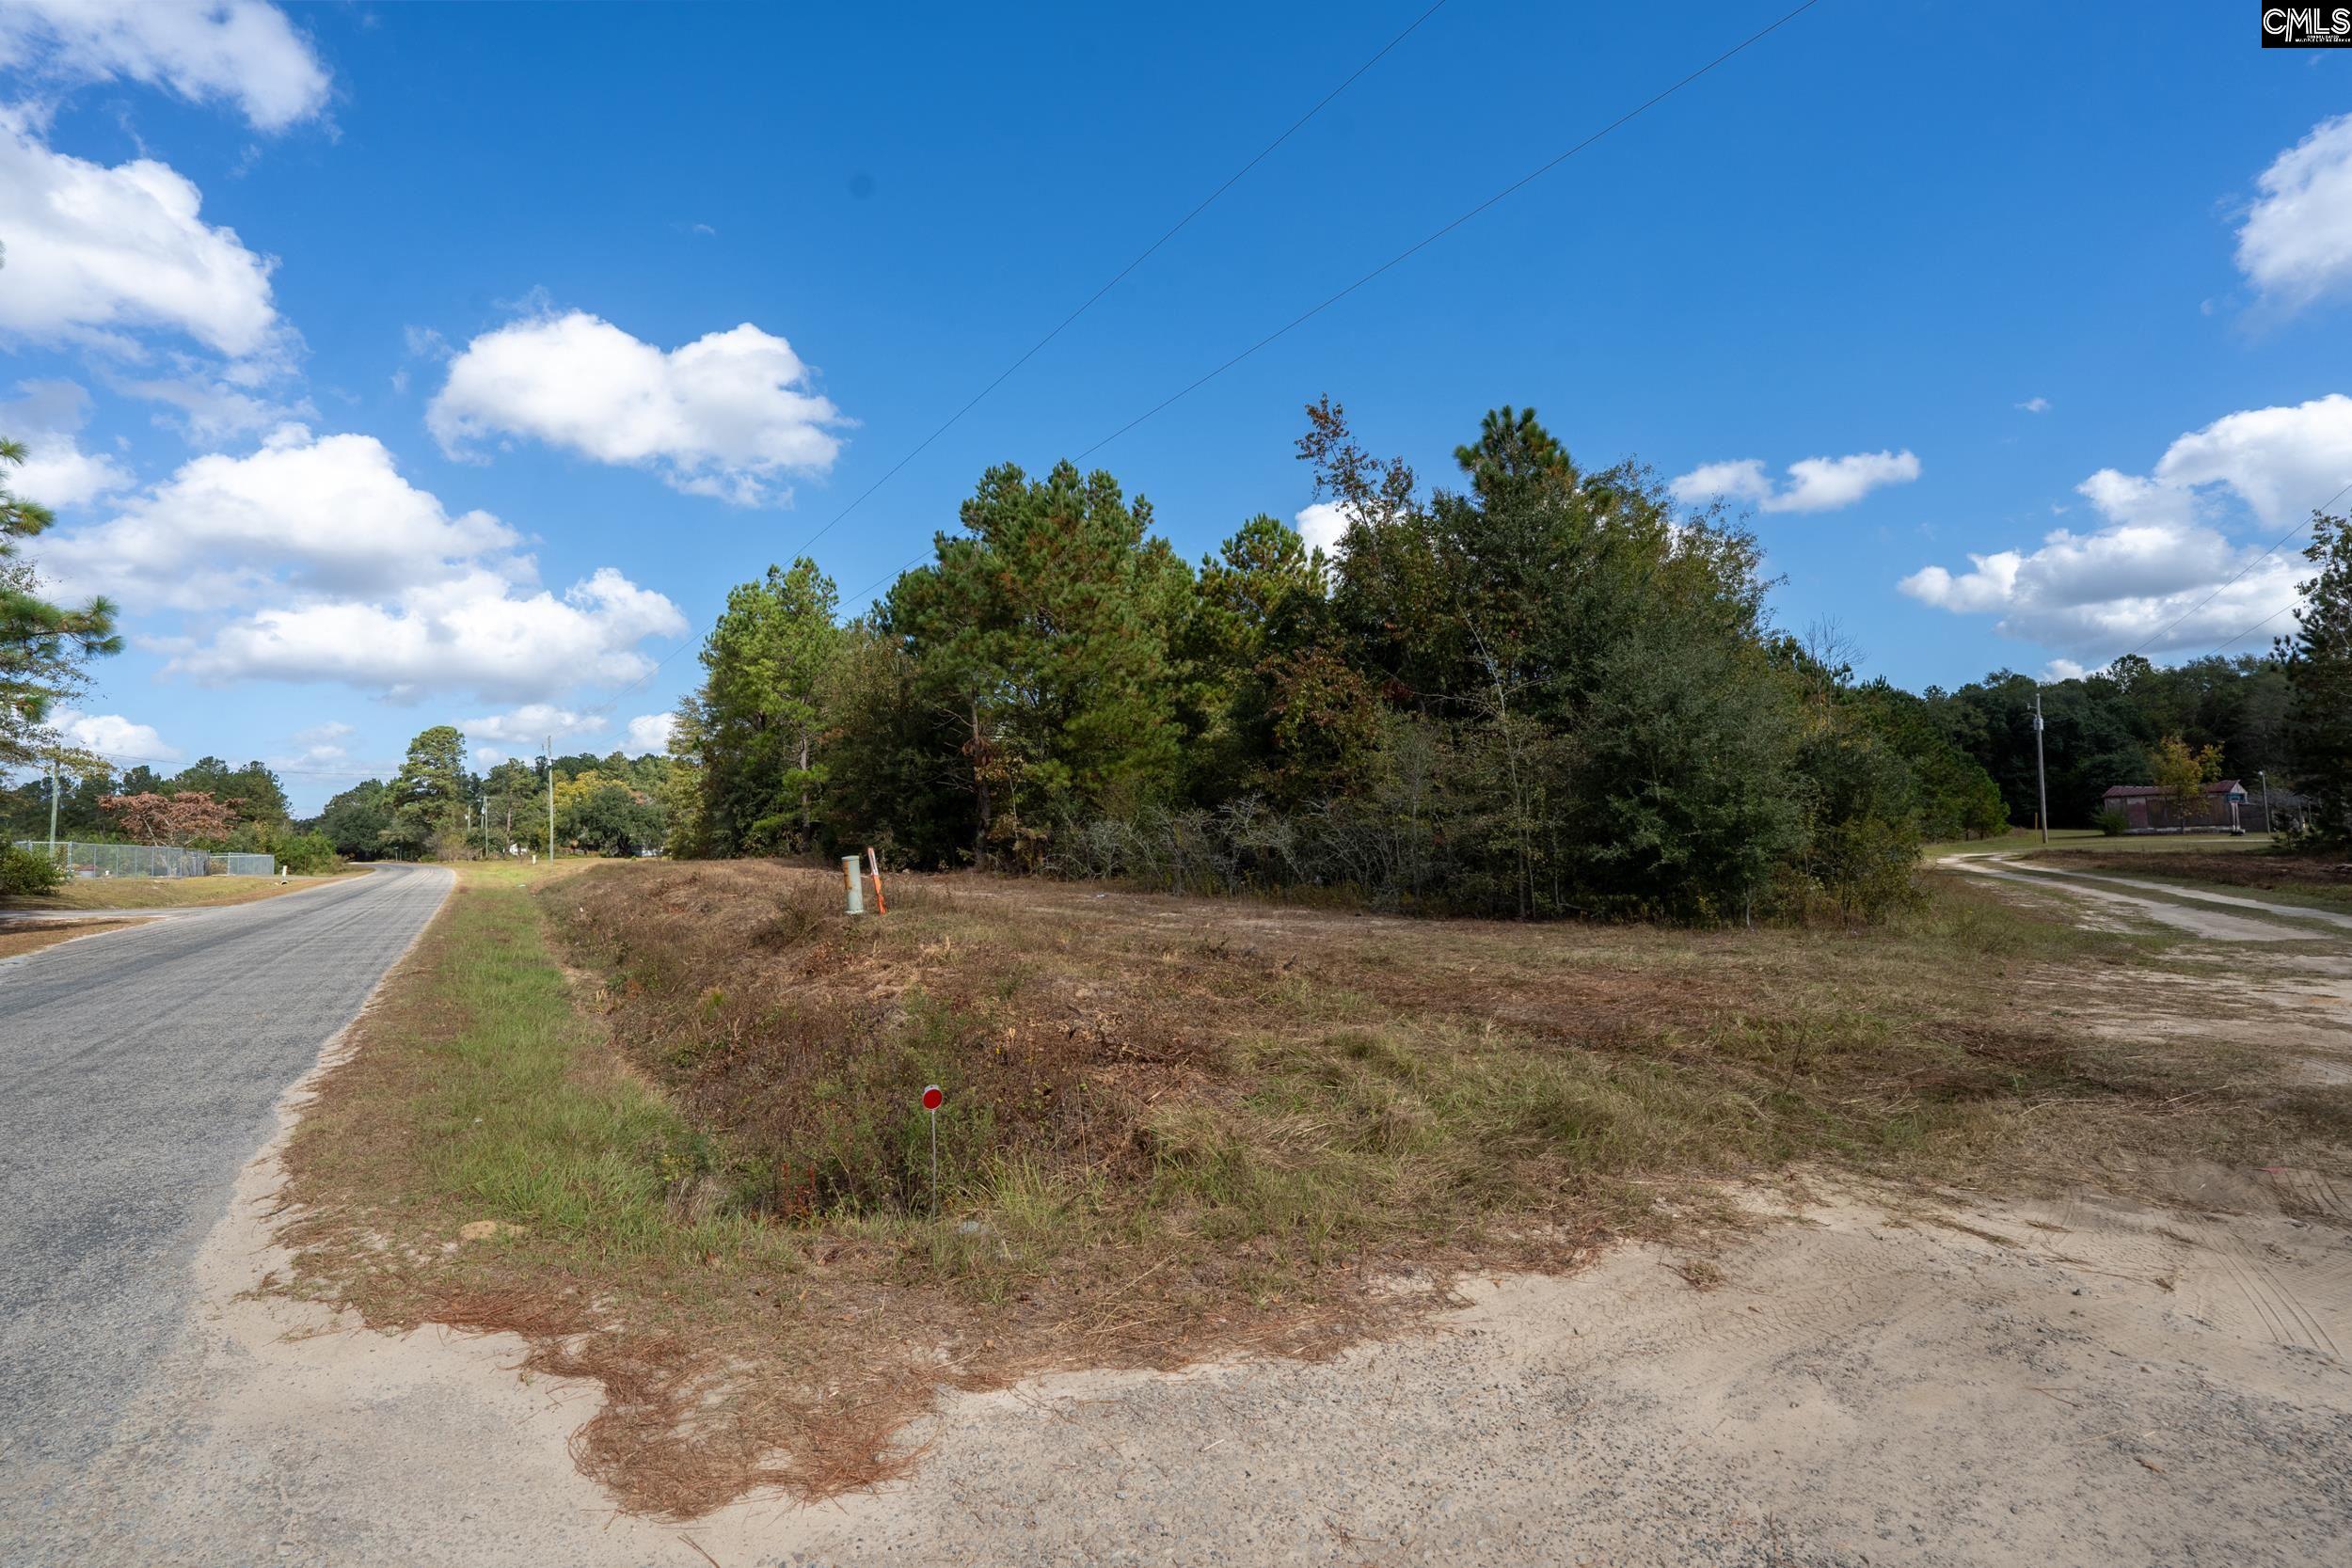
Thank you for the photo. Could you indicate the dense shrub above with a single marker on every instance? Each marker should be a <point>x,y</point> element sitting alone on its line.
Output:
<point>25,872</point>
<point>310,854</point>
<point>2111,822</point>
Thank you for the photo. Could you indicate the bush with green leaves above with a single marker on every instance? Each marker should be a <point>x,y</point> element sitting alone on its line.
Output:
<point>310,854</point>
<point>2111,822</point>
<point>28,872</point>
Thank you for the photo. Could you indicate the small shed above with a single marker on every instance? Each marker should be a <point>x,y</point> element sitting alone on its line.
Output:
<point>2220,809</point>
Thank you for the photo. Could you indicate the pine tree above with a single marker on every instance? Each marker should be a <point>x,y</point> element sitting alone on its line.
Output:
<point>1041,636</point>
<point>760,718</point>
<point>428,799</point>
<point>43,646</point>
<point>2319,672</point>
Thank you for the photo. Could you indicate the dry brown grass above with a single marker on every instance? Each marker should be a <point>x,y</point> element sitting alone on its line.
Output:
<point>158,893</point>
<point>18,938</point>
<point>1176,1128</point>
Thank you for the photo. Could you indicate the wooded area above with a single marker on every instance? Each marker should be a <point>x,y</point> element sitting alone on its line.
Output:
<point>1540,693</point>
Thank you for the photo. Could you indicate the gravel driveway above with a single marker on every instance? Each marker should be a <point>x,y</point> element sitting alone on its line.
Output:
<point>138,1071</point>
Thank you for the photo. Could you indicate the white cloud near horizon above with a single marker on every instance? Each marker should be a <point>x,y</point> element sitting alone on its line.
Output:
<point>242,51</point>
<point>322,749</point>
<point>728,415</point>
<point>316,514</point>
<point>1815,483</point>
<point>2100,594</point>
<point>2295,244</point>
<point>95,254</point>
<point>313,560</point>
<point>1322,525</point>
<point>478,633</point>
<point>532,723</point>
<point>650,732</point>
<point>112,735</point>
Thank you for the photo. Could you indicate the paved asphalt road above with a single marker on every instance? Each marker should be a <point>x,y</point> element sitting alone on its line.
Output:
<point>138,1071</point>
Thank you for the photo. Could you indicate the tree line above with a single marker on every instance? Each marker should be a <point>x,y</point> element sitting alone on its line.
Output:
<point>1540,693</point>
<point>436,808</point>
<point>1537,692</point>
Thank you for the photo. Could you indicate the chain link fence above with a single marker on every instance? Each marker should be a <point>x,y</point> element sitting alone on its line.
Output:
<point>148,860</point>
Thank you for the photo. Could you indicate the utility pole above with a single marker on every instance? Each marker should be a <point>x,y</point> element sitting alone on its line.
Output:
<point>550,797</point>
<point>2041,775</point>
<point>53,807</point>
<point>2269,828</point>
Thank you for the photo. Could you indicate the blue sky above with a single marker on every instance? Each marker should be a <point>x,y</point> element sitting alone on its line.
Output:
<point>395,365</point>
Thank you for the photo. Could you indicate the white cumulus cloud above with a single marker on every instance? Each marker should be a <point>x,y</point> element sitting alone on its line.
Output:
<point>112,735</point>
<point>242,51</point>
<point>478,632</point>
<point>313,559</point>
<point>321,514</point>
<point>1814,483</point>
<point>531,722</point>
<point>728,415</point>
<point>2160,556</point>
<point>1323,525</point>
<point>2295,244</point>
<point>95,254</point>
<point>57,472</point>
<point>650,732</point>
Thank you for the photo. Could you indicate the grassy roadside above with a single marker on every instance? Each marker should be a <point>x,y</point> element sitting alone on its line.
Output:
<point>163,892</point>
<point>1176,1128</point>
<point>2018,841</point>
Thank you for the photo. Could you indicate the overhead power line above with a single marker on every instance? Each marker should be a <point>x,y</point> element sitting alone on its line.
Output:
<point>1142,256</point>
<point>2257,626</point>
<point>1437,234</point>
<point>1427,240</point>
<point>1088,304</point>
<point>2275,548</point>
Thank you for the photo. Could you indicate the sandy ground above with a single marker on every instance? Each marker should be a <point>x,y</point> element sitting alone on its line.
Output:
<point>1881,1377</point>
<point>2202,895</point>
<point>2187,917</point>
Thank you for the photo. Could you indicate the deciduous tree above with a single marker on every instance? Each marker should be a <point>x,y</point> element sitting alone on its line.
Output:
<point>189,817</point>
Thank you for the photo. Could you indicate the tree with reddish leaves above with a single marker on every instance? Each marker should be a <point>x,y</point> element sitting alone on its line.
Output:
<point>177,819</point>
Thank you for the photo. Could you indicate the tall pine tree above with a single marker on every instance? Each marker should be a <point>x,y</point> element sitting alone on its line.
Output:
<point>2319,671</point>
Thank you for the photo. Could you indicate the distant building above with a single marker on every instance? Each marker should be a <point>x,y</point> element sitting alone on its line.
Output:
<point>2224,807</point>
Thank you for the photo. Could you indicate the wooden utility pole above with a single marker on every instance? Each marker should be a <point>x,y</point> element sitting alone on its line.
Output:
<point>2041,775</point>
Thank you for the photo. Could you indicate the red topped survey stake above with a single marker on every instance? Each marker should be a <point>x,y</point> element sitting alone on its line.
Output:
<point>932,1098</point>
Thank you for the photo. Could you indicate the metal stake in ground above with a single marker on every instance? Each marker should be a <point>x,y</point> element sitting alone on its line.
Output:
<point>932,1099</point>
